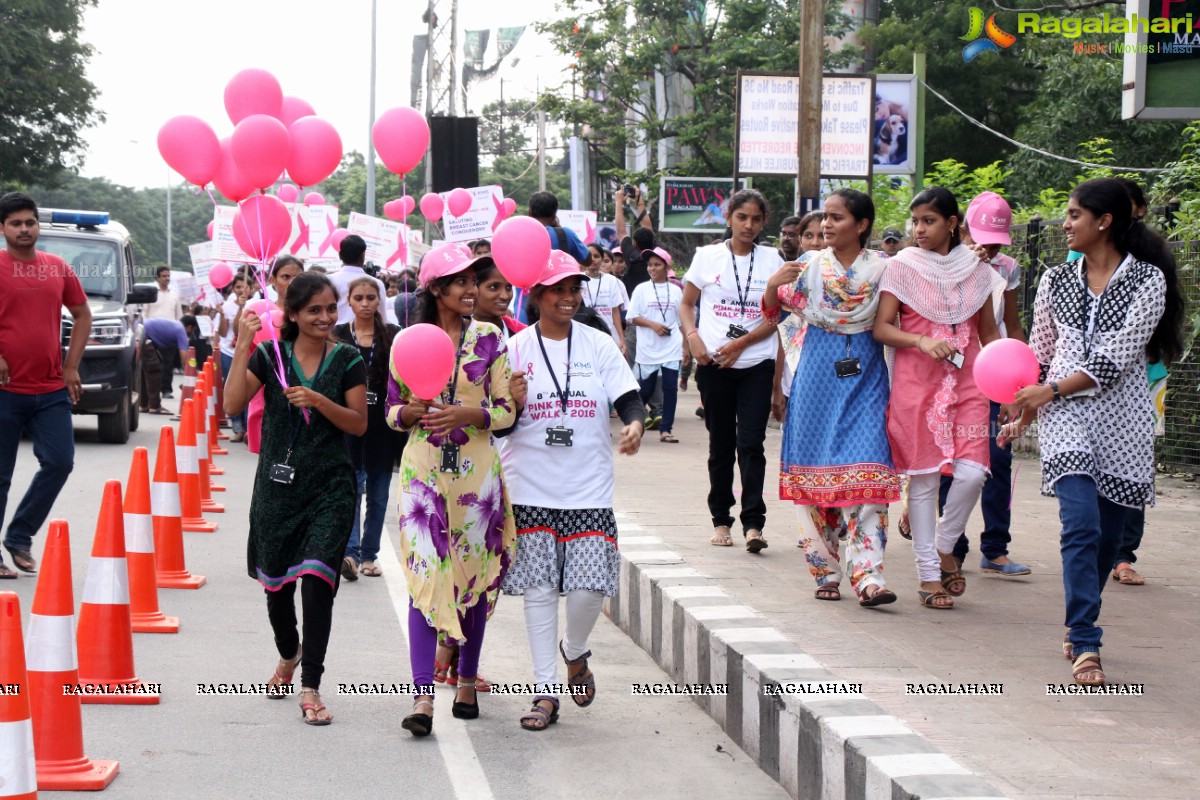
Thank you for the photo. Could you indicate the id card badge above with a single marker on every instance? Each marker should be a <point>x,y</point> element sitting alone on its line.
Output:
<point>847,367</point>
<point>372,398</point>
<point>957,359</point>
<point>735,331</point>
<point>558,436</point>
<point>282,473</point>
<point>449,457</point>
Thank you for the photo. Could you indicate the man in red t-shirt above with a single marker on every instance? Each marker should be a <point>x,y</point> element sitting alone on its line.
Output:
<point>37,389</point>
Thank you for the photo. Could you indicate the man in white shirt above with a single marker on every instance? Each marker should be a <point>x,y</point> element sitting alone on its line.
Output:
<point>167,306</point>
<point>352,252</point>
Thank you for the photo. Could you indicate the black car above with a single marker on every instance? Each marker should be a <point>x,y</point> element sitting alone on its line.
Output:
<point>99,252</point>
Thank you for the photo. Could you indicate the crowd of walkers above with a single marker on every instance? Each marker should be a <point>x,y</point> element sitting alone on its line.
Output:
<point>865,357</point>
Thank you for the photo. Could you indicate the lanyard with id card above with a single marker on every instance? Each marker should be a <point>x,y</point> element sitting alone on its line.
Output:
<point>450,459</point>
<point>558,435</point>
<point>283,472</point>
<point>372,397</point>
<point>737,331</point>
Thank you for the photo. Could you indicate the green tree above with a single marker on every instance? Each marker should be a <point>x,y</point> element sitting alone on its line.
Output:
<point>507,128</point>
<point>45,99</point>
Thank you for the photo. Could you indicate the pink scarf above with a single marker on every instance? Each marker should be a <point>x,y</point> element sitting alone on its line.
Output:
<point>944,289</point>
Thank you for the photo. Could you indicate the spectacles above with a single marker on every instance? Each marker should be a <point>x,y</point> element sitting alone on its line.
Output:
<point>786,235</point>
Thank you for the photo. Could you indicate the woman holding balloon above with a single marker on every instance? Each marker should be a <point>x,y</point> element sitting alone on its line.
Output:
<point>456,524</point>
<point>558,461</point>
<point>1096,322</point>
<point>303,503</point>
<point>282,272</point>
<point>944,297</point>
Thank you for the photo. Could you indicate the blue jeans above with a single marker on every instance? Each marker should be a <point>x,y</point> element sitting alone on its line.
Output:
<point>1131,537</point>
<point>670,393</point>
<point>47,418</point>
<point>377,485</point>
<point>1091,533</point>
<point>237,422</point>
<point>994,501</point>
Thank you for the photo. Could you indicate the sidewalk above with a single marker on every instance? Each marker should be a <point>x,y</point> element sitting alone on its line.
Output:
<point>1023,743</point>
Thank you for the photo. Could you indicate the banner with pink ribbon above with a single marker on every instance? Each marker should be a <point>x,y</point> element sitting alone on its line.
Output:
<point>582,222</point>
<point>480,220</point>
<point>387,241</point>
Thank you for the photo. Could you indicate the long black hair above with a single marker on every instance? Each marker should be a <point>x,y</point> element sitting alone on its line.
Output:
<point>427,302</point>
<point>1110,196</point>
<point>860,207</point>
<point>382,336</point>
<point>300,291</point>
<point>945,203</point>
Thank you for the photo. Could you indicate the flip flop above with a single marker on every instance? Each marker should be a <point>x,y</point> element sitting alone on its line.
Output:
<point>162,411</point>
<point>668,438</point>
<point>881,597</point>
<point>22,560</point>
<point>1123,574</point>
<point>7,574</point>
<point>721,537</point>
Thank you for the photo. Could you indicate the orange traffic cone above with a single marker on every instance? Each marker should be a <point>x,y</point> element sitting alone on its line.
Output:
<point>204,440</point>
<point>18,770</point>
<point>222,422</point>
<point>202,458</point>
<point>170,570</point>
<point>189,376</point>
<point>57,722</point>
<point>105,635</point>
<point>210,377</point>
<point>139,551</point>
<point>187,460</point>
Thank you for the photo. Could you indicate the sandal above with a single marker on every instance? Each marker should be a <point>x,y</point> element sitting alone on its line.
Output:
<point>539,718</point>
<point>1068,649</point>
<point>721,537</point>
<point>668,437</point>
<point>463,710</point>
<point>828,591</point>
<point>950,580</point>
<point>316,709</point>
<point>370,569</point>
<point>22,560</point>
<point>441,671</point>
<point>935,599</point>
<point>904,526</point>
<point>879,597</point>
<point>6,574</point>
<point>1123,573</point>
<point>755,541</point>
<point>582,677</point>
<point>240,436</point>
<point>156,411</point>
<point>419,724</point>
<point>1086,670</point>
<point>277,682</point>
<point>482,684</point>
<point>349,568</point>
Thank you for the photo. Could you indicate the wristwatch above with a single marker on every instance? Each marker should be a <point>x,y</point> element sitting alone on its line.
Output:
<point>1054,388</point>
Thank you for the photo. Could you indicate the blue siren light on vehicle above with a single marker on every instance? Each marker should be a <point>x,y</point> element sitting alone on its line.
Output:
<point>84,218</point>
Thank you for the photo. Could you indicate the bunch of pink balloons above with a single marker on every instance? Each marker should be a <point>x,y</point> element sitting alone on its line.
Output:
<point>272,133</point>
<point>396,210</point>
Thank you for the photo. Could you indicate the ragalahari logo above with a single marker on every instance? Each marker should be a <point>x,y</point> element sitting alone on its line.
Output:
<point>978,44</point>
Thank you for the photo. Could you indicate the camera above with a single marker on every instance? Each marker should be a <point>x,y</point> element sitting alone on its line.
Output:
<point>282,473</point>
<point>630,190</point>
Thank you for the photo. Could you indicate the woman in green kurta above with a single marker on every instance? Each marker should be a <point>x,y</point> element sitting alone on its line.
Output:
<point>304,493</point>
<point>456,525</point>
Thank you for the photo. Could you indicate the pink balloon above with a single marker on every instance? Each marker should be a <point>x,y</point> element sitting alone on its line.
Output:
<point>393,210</point>
<point>510,207</point>
<point>521,248</point>
<point>314,199</point>
<point>432,206</point>
<point>261,146</point>
<point>262,227</point>
<point>423,356</point>
<point>293,108</point>
<point>459,202</point>
<point>288,193</point>
<point>229,179</point>
<point>401,137</point>
<point>336,237</point>
<point>190,147</point>
<point>221,275</point>
<point>252,91</point>
<point>407,203</point>
<point>209,228</point>
<point>262,309</point>
<point>316,151</point>
<point>1004,367</point>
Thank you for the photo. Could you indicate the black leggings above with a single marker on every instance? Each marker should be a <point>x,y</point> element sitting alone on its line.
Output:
<point>317,597</point>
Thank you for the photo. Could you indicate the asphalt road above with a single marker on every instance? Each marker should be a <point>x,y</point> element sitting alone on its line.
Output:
<point>247,747</point>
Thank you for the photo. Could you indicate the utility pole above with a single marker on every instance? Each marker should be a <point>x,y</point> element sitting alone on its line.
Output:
<point>918,135</point>
<point>501,117</point>
<point>812,53</point>
<point>168,217</point>
<point>541,150</point>
<point>370,204</point>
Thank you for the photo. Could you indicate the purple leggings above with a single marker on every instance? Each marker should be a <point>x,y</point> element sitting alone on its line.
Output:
<point>422,643</point>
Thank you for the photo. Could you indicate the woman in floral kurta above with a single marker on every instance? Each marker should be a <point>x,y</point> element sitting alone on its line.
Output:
<point>456,527</point>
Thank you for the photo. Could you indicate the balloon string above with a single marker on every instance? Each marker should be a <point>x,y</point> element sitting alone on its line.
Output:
<point>1013,491</point>
<point>520,298</point>
<point>404,193</point>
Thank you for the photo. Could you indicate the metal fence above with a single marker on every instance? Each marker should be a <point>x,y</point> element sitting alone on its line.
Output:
<point>1039,244</point>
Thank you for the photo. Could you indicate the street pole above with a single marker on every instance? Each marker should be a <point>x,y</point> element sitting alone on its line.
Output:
<point>370,202</point>
<point>168,216</point>
<point>808,161</point>
<point>541,150</point>
<point>918,135</point>
<point>429,55</point>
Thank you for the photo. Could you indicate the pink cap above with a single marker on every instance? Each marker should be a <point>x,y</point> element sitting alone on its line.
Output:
<point>989,219</point>
<point>445,259</point>
<point>658,251</point>
<point>562,266</point>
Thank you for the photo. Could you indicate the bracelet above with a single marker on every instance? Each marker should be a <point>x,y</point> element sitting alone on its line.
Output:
<point>689,333</point>
<point>919,338</point>
<point>1054,388</point>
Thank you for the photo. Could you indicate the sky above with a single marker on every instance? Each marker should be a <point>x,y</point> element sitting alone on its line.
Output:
<point>157,60</point>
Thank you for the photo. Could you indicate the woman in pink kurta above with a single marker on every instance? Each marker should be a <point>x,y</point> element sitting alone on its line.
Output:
<point>936,306</point>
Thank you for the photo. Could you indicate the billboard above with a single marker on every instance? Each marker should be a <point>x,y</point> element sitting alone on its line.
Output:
<point>893,145</point>
<point>694,205</point>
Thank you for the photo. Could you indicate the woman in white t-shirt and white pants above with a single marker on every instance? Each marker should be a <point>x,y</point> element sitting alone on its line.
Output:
<point>735,350</point>
<point>558,465</point>
<point>654,313</point>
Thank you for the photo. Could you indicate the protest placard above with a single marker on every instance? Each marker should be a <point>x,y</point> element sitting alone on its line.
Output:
<point>480,220</point>
<point>582,222</point>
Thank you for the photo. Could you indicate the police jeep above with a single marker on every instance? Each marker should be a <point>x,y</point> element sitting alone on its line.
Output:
<point>99,252</point>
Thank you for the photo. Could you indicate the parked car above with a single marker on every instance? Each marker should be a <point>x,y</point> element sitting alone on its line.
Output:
<point>99,252</point>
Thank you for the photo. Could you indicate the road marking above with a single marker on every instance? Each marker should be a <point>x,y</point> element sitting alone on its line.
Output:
<point>462,764</point>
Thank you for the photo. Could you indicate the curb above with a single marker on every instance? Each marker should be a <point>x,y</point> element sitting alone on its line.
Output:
<point>836,746</point>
